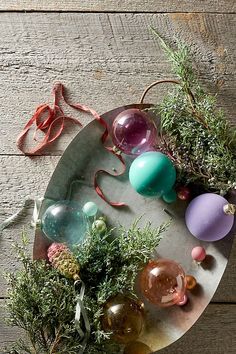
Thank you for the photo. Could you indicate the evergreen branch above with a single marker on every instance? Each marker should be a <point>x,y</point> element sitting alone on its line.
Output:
<point>42,302</point>
<point>194,133</point>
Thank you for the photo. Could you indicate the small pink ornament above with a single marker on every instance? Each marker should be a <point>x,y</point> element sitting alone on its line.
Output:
<point>183,301</point>
<point>183,193</point>
<point>198,254</point>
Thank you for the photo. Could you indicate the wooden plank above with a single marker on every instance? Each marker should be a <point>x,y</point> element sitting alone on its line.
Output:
<point>106,60</point>
<point>213,333</point>
<point>120,5</point>
<point>22,177</point>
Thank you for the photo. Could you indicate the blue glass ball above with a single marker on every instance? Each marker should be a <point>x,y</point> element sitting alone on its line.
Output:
<point>153,174</point>
<point>64,222</point>
<point>90,209</point>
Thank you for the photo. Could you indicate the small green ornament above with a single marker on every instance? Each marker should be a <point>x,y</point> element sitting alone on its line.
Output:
<point>153,174</point>
<point>99,225</point>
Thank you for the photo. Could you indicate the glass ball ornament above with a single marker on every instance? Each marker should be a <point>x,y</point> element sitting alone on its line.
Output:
<point>152,174</point>
<point>191,282</point>
<point>124,317</point>
<point>162,282</point>
<point>183,301</point>
<point>90,209</point>
<point>99,225</point>
<point>198,254</point>
<point>64,222</point>
<point>137,348</point>
<point>183,193</point>
<point>206,219</point>
<point>133,132</point>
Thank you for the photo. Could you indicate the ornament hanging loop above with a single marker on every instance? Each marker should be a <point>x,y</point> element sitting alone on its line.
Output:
<point>230,209</point>
<point>188,92</point>
<point>155,84</point>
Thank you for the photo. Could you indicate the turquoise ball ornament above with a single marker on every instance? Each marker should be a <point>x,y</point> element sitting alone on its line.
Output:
<point>153,174</point>
<point>64,222</point>
<point>90,209</point>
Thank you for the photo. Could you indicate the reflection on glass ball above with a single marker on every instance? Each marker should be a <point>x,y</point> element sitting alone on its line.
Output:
<point>64,222</point>
<point>123,316</point>
<point>137,348</point>
<point>133,132</point>
<point>163,282</point>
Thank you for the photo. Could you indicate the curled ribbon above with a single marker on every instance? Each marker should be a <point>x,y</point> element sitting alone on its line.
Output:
<point>46,119</point>
<point>96,185</point>
<point>80,310</point>
<point>51,122</point>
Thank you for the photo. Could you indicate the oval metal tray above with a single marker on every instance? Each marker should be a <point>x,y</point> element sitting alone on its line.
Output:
<point>82,158</point>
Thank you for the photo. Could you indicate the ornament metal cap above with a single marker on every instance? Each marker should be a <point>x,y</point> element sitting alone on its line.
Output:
<point>229,209</point>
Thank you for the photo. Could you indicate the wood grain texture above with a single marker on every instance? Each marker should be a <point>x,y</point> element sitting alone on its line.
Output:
<point>105,60</point>
<point>120,5</point>
<point>211,334</point>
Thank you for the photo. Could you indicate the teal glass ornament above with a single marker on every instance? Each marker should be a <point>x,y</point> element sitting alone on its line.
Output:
<point>90,209</point>
<point>153,174</point>
<point>64,222</point>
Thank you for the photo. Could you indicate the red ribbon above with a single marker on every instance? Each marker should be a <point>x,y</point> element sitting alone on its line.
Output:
<point>96,185</point>
<point>47,119</point>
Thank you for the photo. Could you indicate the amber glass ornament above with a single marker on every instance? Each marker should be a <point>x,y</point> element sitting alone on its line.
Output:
<point>123,316</point>
<point>190,282</point>
<point>163,282</point>
<point>137,348</point>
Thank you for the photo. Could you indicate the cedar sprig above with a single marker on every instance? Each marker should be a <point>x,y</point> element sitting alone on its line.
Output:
<point>194,133</point>
<point>42,302</point>
<point>117,256</point>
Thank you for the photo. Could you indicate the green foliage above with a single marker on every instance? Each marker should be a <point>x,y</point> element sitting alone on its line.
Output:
<point>42,301</point>
<point>110,265</point>
<point>194,133</point>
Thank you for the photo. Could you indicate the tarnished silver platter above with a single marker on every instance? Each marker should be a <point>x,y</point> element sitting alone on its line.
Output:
<point>81,159</point>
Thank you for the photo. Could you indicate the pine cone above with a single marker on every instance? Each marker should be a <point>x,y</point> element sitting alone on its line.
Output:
<point>63,260</point>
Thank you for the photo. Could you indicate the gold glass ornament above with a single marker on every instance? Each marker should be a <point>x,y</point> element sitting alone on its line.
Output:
<point>123,316</point>
<point>190,282</point>
<point>137,348</point>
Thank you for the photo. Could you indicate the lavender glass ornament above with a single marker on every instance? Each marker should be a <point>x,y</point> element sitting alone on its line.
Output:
<point>206,219</point>
<point>133,132</point>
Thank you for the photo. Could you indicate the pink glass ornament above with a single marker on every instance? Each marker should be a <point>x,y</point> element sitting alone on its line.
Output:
<point>163,282</point>
<point>183,301</point>
<point>133,132</point>
<point>183,193</point>
<point>198,254</point>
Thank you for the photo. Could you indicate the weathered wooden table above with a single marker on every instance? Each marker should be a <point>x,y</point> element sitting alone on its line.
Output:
<point>105,54</point>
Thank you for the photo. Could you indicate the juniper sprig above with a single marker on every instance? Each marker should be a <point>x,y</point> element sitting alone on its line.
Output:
<point>194,133</point>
